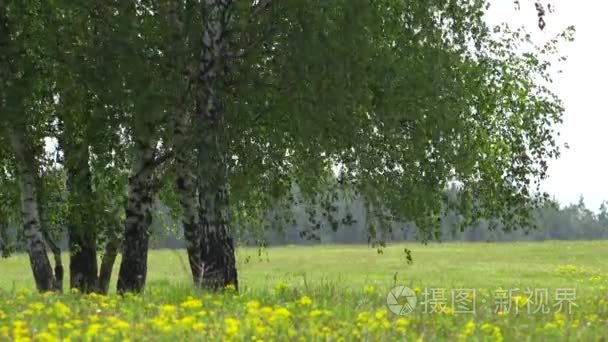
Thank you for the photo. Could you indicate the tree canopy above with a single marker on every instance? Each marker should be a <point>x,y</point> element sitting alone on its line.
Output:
<point>219,108</point>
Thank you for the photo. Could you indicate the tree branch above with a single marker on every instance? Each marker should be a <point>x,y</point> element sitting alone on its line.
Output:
<point>151,166</point>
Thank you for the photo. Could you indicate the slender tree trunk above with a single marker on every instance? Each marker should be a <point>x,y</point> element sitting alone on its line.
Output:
<point>134,265</point>
<point>82,230</point>
<point>58,283</point>
<point>217,245</point>
<point>55,249</point>
<point>185,155</point>
<point>187,192</point>
<point>27,172</point>
<point>107,264</point>
<point>34,239</point>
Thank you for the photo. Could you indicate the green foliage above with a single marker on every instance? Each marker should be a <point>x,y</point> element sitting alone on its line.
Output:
<point>402,99</point>
<point>9,206</point>
<point>405,98</point>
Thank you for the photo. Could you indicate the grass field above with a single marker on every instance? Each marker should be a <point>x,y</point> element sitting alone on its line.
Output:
<point>464,291</point>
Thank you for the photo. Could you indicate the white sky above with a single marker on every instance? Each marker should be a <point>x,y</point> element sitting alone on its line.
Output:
<point>582,169</point>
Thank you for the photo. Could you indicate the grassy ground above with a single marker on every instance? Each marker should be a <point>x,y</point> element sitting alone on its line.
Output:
<point>337,292</point>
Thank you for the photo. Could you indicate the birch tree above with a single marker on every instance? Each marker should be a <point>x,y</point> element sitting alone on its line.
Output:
<point>404,98</point>
<point>20,128</point>
<point>228,105</point>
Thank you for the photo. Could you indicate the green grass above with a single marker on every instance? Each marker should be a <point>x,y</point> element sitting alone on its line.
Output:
<point>347,285</point>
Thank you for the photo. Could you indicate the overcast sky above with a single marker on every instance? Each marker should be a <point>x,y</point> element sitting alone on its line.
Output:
<point>583,168</point>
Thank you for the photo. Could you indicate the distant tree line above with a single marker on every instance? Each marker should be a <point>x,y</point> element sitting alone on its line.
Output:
<point>346,221</point>
<point>552,222</point>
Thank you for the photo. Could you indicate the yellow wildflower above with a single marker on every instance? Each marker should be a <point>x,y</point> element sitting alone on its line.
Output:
<point>118,323</point>
<point>468,331</point>
<point>93,330</point>
<point>266,310</point>
<point>46,337</point>
<point>280,287</point>
<point>20,330</point>
<point>186,321</point>
<point>402,324</point>
<point>550,326</point>
<point>380,314</point>
<point>192,303</point>
<point>305,301</point>
<point>252,306</point>
<point>280,314</point>
<point>167,309</point>
<point>520,301</point>
<point>232,326</point>
<point>53,327</point>
<point>315,313</point>
<point>198,326</point>
<point>35,307</point>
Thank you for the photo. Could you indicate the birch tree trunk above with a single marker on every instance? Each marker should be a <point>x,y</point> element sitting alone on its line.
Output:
<point>134,264</point>
<point>107,264</point>
<point>30,213</point>
<point>183,137</point>
<point>48,239</point>
<point>217,246</point>
<point>56,250</point>
<point>186,184</point>
<point>27,172</point>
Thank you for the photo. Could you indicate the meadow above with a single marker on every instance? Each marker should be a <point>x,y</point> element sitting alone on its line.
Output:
<point>464,291</point>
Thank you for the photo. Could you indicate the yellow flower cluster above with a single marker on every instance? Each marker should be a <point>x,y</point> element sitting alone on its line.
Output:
<point>281,313</point>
